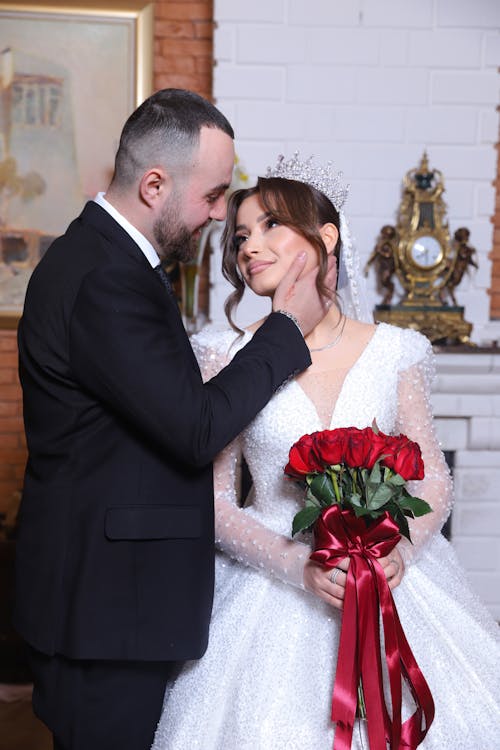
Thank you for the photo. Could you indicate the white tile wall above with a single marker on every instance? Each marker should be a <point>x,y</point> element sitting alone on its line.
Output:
<point>318,13</point>
<point>370,84</point>
<point>242,11</point>
<point>394,13</point>
<point>491,50</point>
<point>463,48</point>
<point>479,14</point>
<point>277,44</point>
<point>472,86</point>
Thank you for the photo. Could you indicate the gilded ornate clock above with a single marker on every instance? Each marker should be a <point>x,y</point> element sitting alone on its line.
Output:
<point>423,259</point>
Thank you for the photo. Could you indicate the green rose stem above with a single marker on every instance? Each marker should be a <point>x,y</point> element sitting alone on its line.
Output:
<point>361,708</point>
<point>336,489</point>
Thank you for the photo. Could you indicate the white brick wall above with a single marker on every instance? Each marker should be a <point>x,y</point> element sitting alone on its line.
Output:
<point>369,84</point>
<point>466,402</point>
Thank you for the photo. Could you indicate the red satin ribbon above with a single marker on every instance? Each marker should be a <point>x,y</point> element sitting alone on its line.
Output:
<point>339,534</point>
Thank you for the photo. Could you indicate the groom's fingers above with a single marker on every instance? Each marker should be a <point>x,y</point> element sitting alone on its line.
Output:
<point>298,295</point>
<point>331,274</point>
<point>286,288</point>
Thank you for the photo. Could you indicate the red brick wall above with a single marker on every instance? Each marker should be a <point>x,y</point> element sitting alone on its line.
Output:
<point>12,444</point>
<point>495,252</point>
<point>183,51</point>
<point>183,58</point>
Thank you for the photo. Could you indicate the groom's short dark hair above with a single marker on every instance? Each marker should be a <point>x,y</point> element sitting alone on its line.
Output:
<point>164,129</point>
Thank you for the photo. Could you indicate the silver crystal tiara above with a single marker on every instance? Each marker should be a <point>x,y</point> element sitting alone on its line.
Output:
<point>324,179</point>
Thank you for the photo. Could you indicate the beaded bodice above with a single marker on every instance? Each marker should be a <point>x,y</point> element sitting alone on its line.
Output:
<point>389,382</point>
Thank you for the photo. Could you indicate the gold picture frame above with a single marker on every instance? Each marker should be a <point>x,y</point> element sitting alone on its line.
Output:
<point>70,74</point>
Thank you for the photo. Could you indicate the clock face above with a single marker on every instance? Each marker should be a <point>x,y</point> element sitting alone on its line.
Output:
<point>426,252</point>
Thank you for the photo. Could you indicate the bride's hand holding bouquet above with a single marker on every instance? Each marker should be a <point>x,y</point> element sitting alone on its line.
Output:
<point>358,505</point>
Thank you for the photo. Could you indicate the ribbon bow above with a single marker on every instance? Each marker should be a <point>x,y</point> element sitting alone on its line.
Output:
<point>339,534</point>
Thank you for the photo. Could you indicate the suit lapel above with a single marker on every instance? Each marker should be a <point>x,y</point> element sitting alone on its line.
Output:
<point>101,221</point>
<point>121,242</point>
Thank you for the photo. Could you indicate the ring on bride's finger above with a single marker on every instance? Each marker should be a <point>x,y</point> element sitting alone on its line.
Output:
<point>334,574</point>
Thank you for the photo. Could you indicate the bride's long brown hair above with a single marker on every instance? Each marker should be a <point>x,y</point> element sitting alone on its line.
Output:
<point>293,204</point>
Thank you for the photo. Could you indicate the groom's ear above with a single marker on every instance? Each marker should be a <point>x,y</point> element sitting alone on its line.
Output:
<point>155,186</point>
<point>329,234</point>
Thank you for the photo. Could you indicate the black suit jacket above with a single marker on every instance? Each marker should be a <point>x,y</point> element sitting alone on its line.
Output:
<point>115,549</point>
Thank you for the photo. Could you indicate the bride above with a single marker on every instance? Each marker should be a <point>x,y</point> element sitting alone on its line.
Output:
<point>265,682</point>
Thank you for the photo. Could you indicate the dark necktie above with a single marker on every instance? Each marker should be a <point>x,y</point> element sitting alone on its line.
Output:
<point>165,280</point>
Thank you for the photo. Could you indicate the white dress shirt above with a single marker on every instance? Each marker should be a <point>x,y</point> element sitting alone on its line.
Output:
<point>145,245</point>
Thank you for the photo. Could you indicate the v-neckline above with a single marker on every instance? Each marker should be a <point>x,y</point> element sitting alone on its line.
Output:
<point>346,379</point>
<point>294,383</point>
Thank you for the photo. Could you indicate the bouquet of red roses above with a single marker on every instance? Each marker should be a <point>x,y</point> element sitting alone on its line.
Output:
<point>357,504</point>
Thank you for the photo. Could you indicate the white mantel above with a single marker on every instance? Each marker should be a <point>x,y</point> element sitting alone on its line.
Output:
<point>466,403</point>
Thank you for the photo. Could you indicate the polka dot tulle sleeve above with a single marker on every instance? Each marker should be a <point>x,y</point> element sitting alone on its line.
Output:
<point>414,419</point>
<point>237,533</point>
<point>246,539</point>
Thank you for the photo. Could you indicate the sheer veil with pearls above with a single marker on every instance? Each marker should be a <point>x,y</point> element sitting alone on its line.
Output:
<point>351,287</point>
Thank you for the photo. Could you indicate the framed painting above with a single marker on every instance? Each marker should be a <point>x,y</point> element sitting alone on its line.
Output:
<point>70,75</point>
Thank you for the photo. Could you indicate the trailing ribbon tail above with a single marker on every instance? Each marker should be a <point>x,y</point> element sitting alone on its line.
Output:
<point>339,534</point>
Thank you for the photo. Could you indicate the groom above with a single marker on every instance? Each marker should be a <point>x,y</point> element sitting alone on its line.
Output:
<point>115,549</point>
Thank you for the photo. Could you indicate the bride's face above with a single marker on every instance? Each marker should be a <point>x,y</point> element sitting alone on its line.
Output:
<point>266,249</point>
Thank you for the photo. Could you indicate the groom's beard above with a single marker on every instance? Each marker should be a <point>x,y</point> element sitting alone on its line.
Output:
<point>174,240</point>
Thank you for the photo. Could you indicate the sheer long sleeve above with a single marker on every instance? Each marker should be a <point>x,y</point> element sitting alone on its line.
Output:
<point>237,534</point>
<point>416,421</point>
<point>244,538</point>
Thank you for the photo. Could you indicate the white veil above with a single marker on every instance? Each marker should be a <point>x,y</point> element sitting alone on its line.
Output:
<point>351,287</point>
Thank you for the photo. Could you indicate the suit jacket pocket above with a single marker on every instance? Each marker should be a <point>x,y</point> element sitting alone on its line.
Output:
<point>129,522</point>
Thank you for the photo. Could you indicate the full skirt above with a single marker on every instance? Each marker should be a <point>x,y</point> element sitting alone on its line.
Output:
<point>266,680</point>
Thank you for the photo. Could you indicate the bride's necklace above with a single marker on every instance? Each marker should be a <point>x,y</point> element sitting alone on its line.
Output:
<point>335,340</point>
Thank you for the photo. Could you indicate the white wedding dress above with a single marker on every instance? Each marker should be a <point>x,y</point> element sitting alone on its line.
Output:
<point>265,682</point>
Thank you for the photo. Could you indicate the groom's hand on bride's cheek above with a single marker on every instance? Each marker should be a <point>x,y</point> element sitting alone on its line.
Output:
<point>297,293</point>
<point>331,274</point>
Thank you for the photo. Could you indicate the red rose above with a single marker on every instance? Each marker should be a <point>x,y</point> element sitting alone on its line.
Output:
<point>379,446</point>
<point>302,458</point>
<point>392,445</point>
<point>408,461</point>
<point>330,446</point>
<point>404,458</point>
<point>358,446</point>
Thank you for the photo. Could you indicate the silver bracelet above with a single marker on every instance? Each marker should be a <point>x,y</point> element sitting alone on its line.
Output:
<point>292,318</point>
